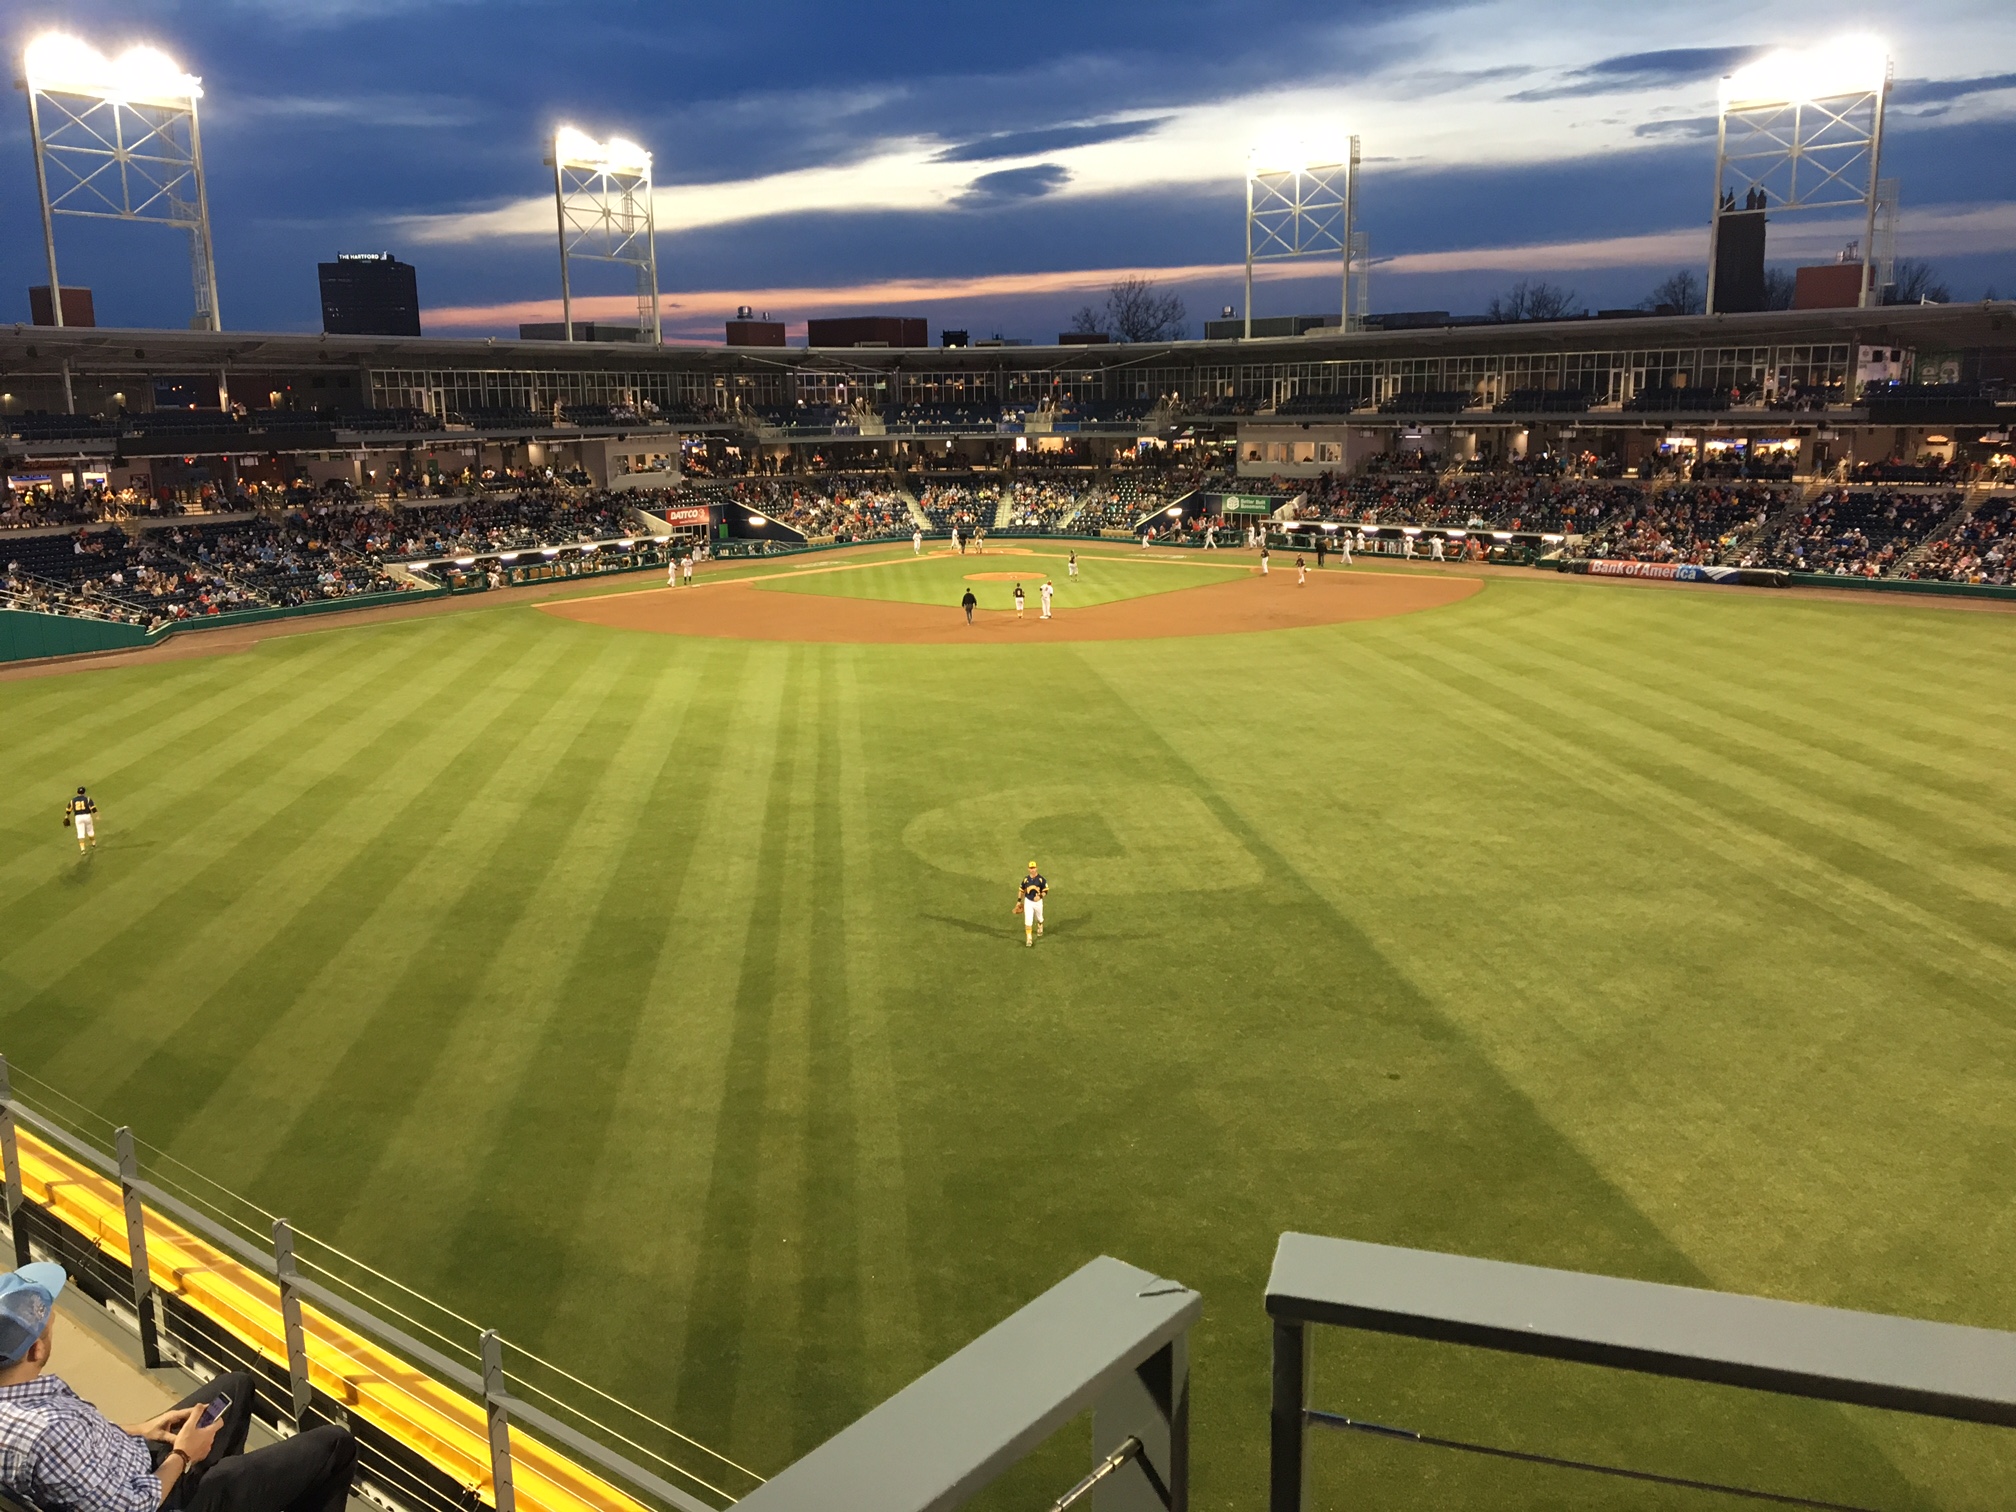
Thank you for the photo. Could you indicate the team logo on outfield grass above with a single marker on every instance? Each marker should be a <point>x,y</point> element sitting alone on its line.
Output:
<point>1150,839</point>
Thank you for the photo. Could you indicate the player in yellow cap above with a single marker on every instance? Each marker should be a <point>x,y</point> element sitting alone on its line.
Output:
<point>1029,896</point>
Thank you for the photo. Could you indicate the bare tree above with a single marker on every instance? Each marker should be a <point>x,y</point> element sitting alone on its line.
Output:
<point>1091,322</point>
<point>1779,286</point>
<point>1916,282</point>
<point>1136,310</point>
<point>1534,300</point>
<point>1682,294</point>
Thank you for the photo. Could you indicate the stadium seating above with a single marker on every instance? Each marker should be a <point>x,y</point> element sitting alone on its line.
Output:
<point>1428,402</point>
<point>1982,549</point>
<point>1853,532</point>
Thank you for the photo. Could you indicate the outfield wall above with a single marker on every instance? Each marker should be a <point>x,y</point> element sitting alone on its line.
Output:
<point>26,635</point>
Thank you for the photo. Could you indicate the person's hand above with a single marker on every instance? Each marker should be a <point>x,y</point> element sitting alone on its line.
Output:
<point>161,1429</point>
<point>194,1439</point>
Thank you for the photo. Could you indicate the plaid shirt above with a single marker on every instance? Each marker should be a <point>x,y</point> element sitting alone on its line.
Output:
<point>61,1453</point>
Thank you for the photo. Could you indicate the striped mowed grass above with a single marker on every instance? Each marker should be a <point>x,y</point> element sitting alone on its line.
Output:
<point>658,1001</point>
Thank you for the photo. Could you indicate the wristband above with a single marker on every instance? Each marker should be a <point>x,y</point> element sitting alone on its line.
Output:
<point>175,1454</point>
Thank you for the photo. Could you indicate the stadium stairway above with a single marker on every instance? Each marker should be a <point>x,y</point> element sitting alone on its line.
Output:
<point>917,516</point>
<point>1972,499</point>
<point>1004,510</point>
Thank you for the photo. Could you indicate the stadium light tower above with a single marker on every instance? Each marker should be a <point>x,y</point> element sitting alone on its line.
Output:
<point>1302,203</point>
<point>1806,128</point>
<point>117,139</point>
<point>602,192</point>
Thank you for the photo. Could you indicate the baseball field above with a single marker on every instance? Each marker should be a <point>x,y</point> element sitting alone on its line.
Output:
<point>639,978</point>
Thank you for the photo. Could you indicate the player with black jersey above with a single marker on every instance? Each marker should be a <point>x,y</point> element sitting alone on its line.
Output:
<point>81,814</point>
<point>1029,895</point>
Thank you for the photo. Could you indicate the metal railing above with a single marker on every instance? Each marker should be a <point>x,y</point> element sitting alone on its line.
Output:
<point>444,1349</point>
<point>1793,1349</point>
<point>1108,1338</point>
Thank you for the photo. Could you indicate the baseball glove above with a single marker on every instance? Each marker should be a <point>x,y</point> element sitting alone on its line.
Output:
<point>66,821</point>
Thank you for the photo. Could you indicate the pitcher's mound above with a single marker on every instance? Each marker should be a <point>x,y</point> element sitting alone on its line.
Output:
<point>739,610</point>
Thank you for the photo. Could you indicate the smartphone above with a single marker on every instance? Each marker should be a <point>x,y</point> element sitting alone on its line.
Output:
<point>214,1411</point>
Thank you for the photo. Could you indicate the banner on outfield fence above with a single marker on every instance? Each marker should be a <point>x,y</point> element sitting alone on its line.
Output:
<point>1683,572</point>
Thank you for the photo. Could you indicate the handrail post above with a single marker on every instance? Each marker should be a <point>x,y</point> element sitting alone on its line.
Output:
<point>290,1318</point>
<point>10,1156</point>
<point>1288,1468</point>
<point>503,1497</point>
<point>1150,1407</point>
<point>136,1246</point>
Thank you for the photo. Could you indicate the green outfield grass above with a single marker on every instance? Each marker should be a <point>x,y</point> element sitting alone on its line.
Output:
<point>1102,578</point>
<point>658,1002</point>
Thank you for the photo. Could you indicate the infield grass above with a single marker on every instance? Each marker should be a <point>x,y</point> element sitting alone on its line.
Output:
<point>1103,578</point>
<point>657,1001</point>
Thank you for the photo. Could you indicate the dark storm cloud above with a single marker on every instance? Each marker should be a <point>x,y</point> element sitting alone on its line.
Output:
<point>1676,65</point>
<point>1012,184</point>
<point>1945,91</point>
<point>1014,144</point>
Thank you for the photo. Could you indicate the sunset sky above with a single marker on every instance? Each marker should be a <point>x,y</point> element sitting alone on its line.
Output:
<point>992,167</point>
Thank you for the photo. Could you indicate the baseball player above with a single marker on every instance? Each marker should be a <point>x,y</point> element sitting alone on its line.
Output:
<point>1048,589</point>
<point>1435,549</point>
<point>1029,895</point>
<point>955,541</point>
<point>1263,559</point>
<point>81,814</point>
<point>1072,565</point>
<point>672,571</point>
<point>687,566</point>
<point>1301,571</point>
<point>1344,545</point>
<point>916,543</point>
<point>1018,601</point>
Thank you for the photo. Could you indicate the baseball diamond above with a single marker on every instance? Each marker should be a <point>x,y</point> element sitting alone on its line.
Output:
<point>1513,913</point>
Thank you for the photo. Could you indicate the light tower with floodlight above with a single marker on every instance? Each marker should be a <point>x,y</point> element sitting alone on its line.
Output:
<point>117,139</point>
<point>602,193</point>
<point>1296,207</point>
<point>1806,128</point>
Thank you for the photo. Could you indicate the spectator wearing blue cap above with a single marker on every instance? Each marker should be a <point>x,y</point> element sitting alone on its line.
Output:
<point>58,1453</point>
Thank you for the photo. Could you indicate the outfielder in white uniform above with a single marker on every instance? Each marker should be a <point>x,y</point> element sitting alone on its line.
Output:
<point>82,815</point>
<point>672,572</point>
<point>1029,896</point>
<point>1048,589</point>
<point>687,564</point>
<point>916,543</point>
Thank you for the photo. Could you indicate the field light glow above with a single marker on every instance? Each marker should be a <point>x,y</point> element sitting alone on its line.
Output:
<point>577,149</point>
<point>1291,154</point>
<point>57,63</point>
<point>1848,65</point>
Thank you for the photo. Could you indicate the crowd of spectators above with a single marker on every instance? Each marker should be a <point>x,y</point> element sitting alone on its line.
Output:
<point>506,522</point>
<point>1981,550</point>
<point>960,505</point>
<point>1690,522</point>
<point>202,566</point>
<point>834,507</point>
<point>1852,532</point>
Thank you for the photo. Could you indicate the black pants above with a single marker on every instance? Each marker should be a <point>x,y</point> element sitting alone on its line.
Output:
<point>307,1473</point>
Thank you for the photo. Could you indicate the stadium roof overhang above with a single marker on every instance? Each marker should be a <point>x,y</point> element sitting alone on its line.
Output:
<point>43,350</point>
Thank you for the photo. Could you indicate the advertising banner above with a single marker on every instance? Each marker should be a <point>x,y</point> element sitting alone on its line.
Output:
<point>686,514</point>
<point>1683,572</point>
